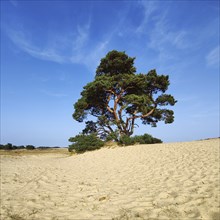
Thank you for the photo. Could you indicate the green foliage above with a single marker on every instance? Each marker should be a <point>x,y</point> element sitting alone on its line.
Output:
<point>44,147</point>
<point>82,143</point>
<point>113,136</point>
<point>20,147</point>
<point>116,63</point>
<point>118,97</point>
<point>156,141</point>
<point>8,146</point>
<point>146,139</point>
<point>126,140</point>
<point>30,147</point>
<point>138,139</point>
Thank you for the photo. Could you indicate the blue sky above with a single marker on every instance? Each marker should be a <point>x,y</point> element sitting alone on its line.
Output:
<point>50,50</point>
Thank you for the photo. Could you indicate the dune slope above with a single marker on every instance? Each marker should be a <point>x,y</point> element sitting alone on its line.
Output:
<point>161,181</point>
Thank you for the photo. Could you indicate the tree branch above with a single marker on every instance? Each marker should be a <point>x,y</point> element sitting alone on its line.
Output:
<point>117,117</point>
<point>121,119</point>
<point>130,121</point>
<point>107,106</point>
<point>111,91</point>
<point>149,113</point>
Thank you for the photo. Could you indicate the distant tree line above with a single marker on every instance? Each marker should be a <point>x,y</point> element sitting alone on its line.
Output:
<point>10,146</point>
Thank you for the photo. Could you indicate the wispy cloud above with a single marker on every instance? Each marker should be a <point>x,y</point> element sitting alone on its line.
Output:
<point>164,39</point>
<point>212,58</point>
<point>68,48</point>
<point>148,7</point>
<point>60,47</point>
<point>73,46</point>
<point>20,39</point>
<point>205,114</point>
<point>90,58</point>
<point>94,56</point>
<point>53,94</point>
<point>162,36</point>
<point>81,37</point>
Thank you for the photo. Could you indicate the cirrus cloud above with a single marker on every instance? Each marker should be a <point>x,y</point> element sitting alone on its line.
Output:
<point>212,58</point>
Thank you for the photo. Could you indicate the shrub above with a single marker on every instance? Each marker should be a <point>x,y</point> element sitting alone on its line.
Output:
<point>8,146</point>
<point>146,139</point>
<point>113,136</point>
<point>43,148</point>
<point>82,143</point>
<point>14,147</point>
<point>140,139</point>
<point>126,140</point>
<point>30,147</point>
<point>156,140</point>
<point>21,147</point>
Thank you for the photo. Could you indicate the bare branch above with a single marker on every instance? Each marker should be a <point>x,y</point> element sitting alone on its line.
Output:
<point>107,106</point>
<point>149,113</point>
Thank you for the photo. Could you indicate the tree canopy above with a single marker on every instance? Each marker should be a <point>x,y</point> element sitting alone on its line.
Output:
<point>118,97</point>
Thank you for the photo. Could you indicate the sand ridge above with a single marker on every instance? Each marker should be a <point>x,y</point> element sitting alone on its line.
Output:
<point>161,181</point>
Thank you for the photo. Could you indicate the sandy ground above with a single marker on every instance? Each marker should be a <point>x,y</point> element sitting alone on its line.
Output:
<point>161,181</point>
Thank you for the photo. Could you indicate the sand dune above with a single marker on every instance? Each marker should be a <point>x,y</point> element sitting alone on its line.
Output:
<point>161,181</point>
